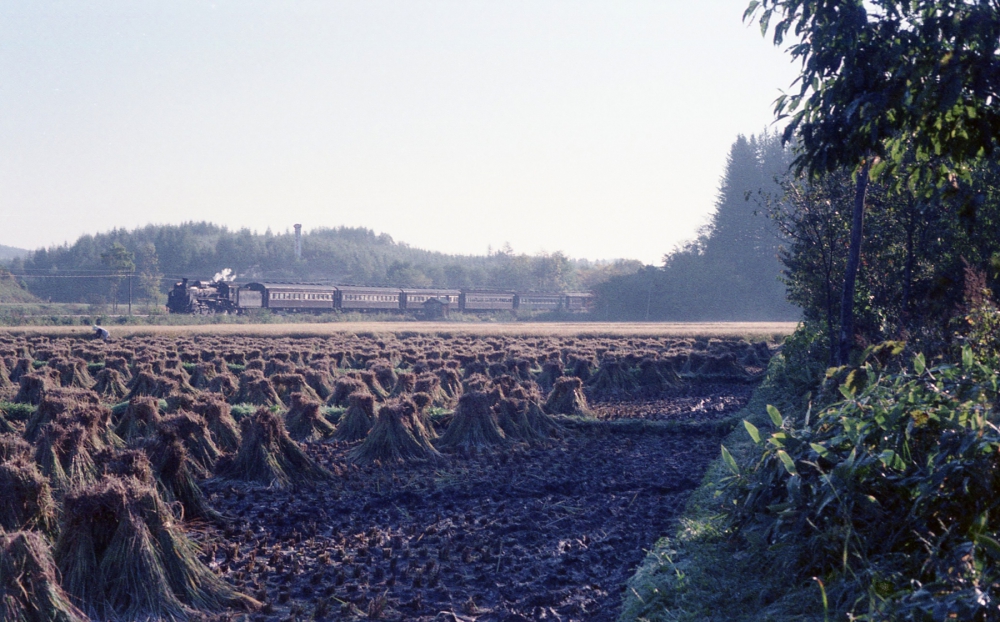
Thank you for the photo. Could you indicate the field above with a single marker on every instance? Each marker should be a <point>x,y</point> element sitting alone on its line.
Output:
<point>483,471</point>
<point>765,330</point>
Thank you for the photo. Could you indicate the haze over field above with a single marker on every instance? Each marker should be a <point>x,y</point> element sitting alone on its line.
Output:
<point>594,128</point>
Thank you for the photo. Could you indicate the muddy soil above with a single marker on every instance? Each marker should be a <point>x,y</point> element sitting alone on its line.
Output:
<point>530,533</point>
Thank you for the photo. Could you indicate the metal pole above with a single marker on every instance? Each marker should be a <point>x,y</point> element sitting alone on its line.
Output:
<point>130,293</point>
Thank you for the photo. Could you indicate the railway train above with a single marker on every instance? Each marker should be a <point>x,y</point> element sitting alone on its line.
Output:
<point>211,297</point>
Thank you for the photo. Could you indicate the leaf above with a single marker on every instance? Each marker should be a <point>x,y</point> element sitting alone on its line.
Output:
<point>730,461</point>
<point>891,459</point>
<point>989,544</point>
<point>833,371</point>
<point>967,358</point>
<point>775,416</point>
<point>820,449</point>
<point>846,391</point>
<point>919,363</point>
<point>752,431</point>
<point>788,462</point>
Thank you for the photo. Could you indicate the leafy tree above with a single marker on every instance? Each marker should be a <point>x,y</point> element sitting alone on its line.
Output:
<point>904,85</point>
<point>148,266</point>
<point>121,262</point>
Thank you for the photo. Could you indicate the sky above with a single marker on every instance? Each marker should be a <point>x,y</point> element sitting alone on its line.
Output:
<point>598,129</point>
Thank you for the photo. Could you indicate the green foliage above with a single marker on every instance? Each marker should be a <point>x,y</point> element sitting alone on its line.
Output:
<point>16,412</point>
<point>914,274</point>
<point>903,80</point>
<point>343,255</point>
<point>890,495</point>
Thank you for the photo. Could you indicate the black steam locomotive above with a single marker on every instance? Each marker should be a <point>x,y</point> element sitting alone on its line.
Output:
<point>211,297</point>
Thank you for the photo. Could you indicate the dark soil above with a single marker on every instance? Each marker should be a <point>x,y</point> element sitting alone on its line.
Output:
<point>530,533</point>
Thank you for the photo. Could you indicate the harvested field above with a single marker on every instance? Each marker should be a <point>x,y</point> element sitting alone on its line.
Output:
<point>457,485</point>
<point>560,329</point>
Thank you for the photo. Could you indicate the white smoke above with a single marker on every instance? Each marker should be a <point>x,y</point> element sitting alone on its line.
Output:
<point>225,276</point>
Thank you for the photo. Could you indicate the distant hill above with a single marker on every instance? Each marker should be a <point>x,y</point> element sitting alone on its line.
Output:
<point>167,253</point>
<point>9,252</point>
<point>12,291</point>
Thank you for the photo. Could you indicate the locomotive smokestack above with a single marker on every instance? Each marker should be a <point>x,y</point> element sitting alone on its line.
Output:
<point>298,241</point>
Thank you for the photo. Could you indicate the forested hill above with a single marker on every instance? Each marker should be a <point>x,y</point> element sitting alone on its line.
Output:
<point>9,252</point>
<point>732,270</point>
<point>165,253</point>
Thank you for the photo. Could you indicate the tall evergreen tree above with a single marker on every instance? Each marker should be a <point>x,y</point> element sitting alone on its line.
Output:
<point>730,271</point>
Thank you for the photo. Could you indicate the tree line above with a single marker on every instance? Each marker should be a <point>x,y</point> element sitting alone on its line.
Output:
<point>100,268</point>
<point>732,269</point>
<point>870,494</point>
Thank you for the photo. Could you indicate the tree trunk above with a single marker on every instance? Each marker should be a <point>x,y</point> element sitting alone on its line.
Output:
<point>853,261</point>
<point>904,319</point>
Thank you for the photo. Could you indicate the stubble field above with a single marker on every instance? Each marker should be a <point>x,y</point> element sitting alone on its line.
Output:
<point>451,475</point>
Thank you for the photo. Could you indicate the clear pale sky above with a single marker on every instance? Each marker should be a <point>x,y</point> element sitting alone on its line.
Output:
<point>599,129</point>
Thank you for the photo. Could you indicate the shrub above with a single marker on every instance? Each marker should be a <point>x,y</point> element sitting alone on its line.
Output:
<point>891,494</point>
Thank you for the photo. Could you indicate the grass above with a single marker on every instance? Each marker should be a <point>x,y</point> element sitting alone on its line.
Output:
<point>702,572</point>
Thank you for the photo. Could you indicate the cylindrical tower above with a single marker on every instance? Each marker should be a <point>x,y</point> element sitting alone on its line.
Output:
<point>298,241</point>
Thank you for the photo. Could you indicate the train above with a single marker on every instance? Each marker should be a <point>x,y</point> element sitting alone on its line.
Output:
<point>224,297</point>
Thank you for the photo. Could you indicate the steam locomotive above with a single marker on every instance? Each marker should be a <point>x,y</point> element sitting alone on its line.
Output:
<point>220,296</point>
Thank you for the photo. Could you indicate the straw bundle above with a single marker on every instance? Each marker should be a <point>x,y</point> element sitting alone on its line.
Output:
<point>175,480</point>
<point>192,430</point>
<point>225,385</point>
<point>286,384</point>
<point>268,456</point>
<point>613,379</point>
<point>122,555</point>
<point>73,372</point>
<point>12,447</point>
<point>33,385</point>
<point>451,382</point>
<point>29,583</point>
<point>256,389</point>
<point>396,436</point>
<point>21,368</point>
<point>567,398</point>
<point>109,384</point>
<point>139,419</point>
<point>474,425</point>
<point>405,384</point>
<point>27,498</point>
<point>320,381</point>
<point>357,421</point>
<point>218,416</point>
<point>343,388</point>
<point>304,421</point>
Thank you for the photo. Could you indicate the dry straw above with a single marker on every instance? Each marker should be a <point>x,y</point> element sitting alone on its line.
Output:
<point>358,419</point>
<point>257,390</point>
<point>567,398</point>
<point>27,498</point>
<point>29,584</point>
<point>398,435</point>
<point>122,555</point>
<point>474,425</point>
<point>304,421</point>
<point>218,416</point>
<point>268,456</point>
<point>110,384</point>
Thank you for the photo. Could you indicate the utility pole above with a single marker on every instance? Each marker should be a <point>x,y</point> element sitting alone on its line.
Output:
<point>130,293</point>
